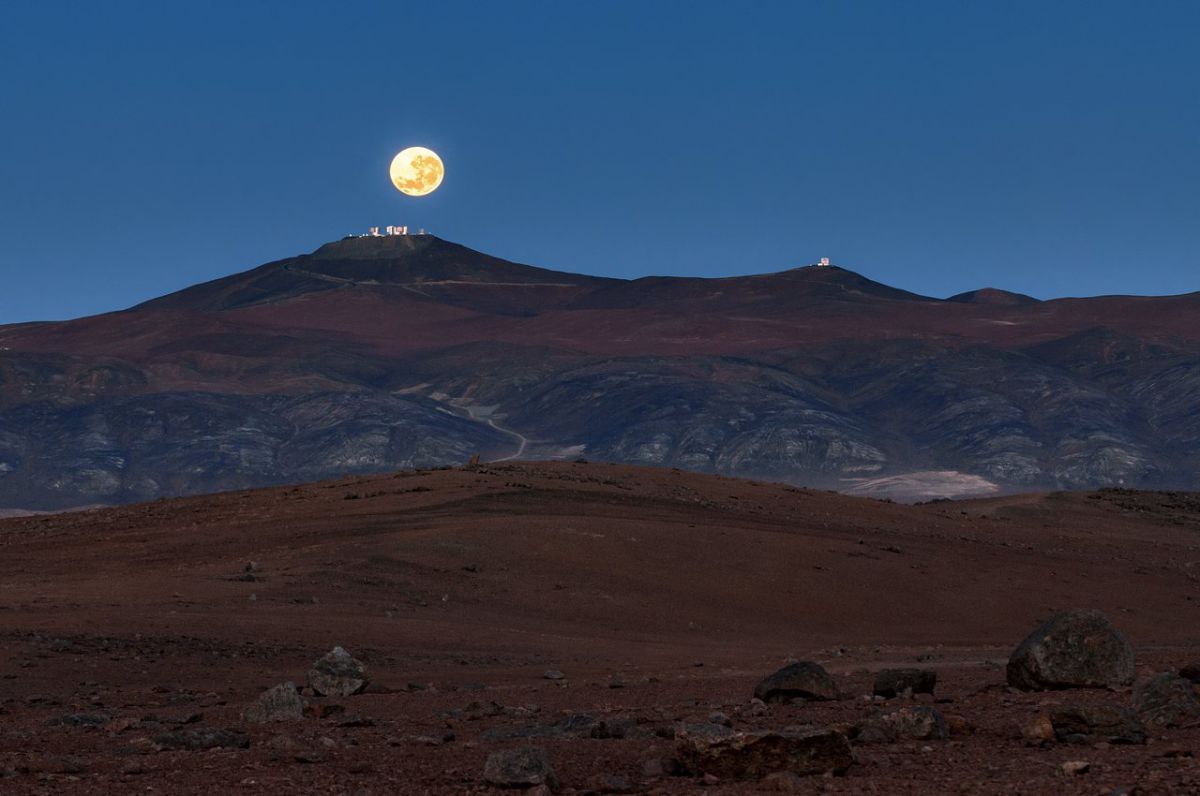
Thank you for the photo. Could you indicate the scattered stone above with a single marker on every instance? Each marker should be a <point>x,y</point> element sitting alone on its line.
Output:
<point>1191,672</point>
<point>309,756</point>
<point>576,725</point>
<point>1092,723</point>
<point>134,767</point>
<point>519,768</point>
<point>1038,730</point>
<point>281,703</point>
<point>353,721</point>
<point>89,720</point>
<point>553,674</point>
<point>1166,700</point>
<point>142,746</point>
<point>903,724</point>
<point>609,783</point>
<point>958,725</point>
<point>783,782</point>
<point>1076,767</point>
<point>720,718</point>
<point>203,738</point>
<point>121,725</point>
<point>338,674</point>
<point>59,764</point>
<point>755,755</point>
<point>1075,649</point>
<point>891,683</point>
<point>282,746</point>
<point>323,710</point>
<point>804,680</point>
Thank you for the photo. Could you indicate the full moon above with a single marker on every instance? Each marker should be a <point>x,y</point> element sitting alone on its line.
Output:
<point>417,171</point>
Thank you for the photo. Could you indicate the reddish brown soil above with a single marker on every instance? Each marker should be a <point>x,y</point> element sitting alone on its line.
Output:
<point>662,596</point>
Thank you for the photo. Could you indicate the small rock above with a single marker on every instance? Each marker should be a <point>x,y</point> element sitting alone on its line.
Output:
<point>1166,700</point>
<point>1191,672</point>
<point>783,782</point>
<point>903,724</point>
<point>519,768</point>
<point>323,710</point>
<point>653,767</point>
<point>308,756</point>
<point>1091,723</point>
<point>755,755</point>
<point>203,738</point>
<point>958,725</point>
<point>1076,767</point>
<point>1075,649</point>
<point>609,783</point>
<point>805,679</point>
<point>553,674</point>
<point>720,718</point>
<point>121,724</point>
<point>280,703</point>
<point>142,746</point>
<point>338,674</point>
<point>282,746</point>
<point>89,720</point>
<point>891,683</point>
<point>1038,730</point>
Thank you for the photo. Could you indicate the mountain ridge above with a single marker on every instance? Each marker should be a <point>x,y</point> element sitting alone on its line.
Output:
<point>372,354</point>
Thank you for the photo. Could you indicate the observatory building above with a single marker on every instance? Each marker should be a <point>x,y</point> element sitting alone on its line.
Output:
<point>389,231</point>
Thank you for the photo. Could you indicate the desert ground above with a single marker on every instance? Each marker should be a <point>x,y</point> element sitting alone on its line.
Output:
<point>492,605</point>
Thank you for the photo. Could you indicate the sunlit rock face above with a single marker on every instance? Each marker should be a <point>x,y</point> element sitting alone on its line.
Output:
<point>374,354</point>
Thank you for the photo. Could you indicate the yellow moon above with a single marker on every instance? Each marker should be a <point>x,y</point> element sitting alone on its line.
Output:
<point>417,171</point>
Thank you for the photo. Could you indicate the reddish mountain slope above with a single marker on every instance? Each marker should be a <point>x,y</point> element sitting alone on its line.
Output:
<point>816,375</point>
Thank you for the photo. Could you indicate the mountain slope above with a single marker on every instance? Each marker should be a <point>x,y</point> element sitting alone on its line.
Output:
<point>372,354</point>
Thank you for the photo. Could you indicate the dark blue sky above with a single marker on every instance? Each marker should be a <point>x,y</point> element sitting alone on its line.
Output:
<point>1049,148</point>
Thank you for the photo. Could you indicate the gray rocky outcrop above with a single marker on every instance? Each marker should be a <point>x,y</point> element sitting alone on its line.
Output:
<point>280,703</point>
<point>1074,649</point>
<point>754,755</point>
<point>1166,700</point>
<point>802,680</point>
<point>338,674</point>
<point>895,682</point>
<point>524,767</point>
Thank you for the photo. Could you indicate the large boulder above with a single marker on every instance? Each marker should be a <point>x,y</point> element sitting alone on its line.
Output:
<point>1075,649</point>
<point>281,703</point>
<point>338,674</point>
<point>903,724</point>
<point>754,755</point>
<point>1166,700</point>
<point>894,682</point>
<point>1095,723</point>
<point>524,767</point>
<point>803,680</point>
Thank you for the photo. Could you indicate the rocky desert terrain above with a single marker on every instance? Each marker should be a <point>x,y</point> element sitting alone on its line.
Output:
<point>614,625</point>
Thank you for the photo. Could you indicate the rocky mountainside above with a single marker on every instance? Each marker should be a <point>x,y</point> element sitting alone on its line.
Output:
<point>373,354</point>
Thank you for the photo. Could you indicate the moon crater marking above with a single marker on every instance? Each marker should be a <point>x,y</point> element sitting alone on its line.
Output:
<point>417,171</point>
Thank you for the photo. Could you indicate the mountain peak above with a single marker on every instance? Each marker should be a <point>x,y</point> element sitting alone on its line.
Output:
<point>378,247</point>
<point>426,264</point>
<point>994,297</point>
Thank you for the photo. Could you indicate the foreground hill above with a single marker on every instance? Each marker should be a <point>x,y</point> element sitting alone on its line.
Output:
<point>661,596</point>
<point>371,354</point>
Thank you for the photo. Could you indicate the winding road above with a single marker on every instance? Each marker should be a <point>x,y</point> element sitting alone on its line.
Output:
<point>522,440</point>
